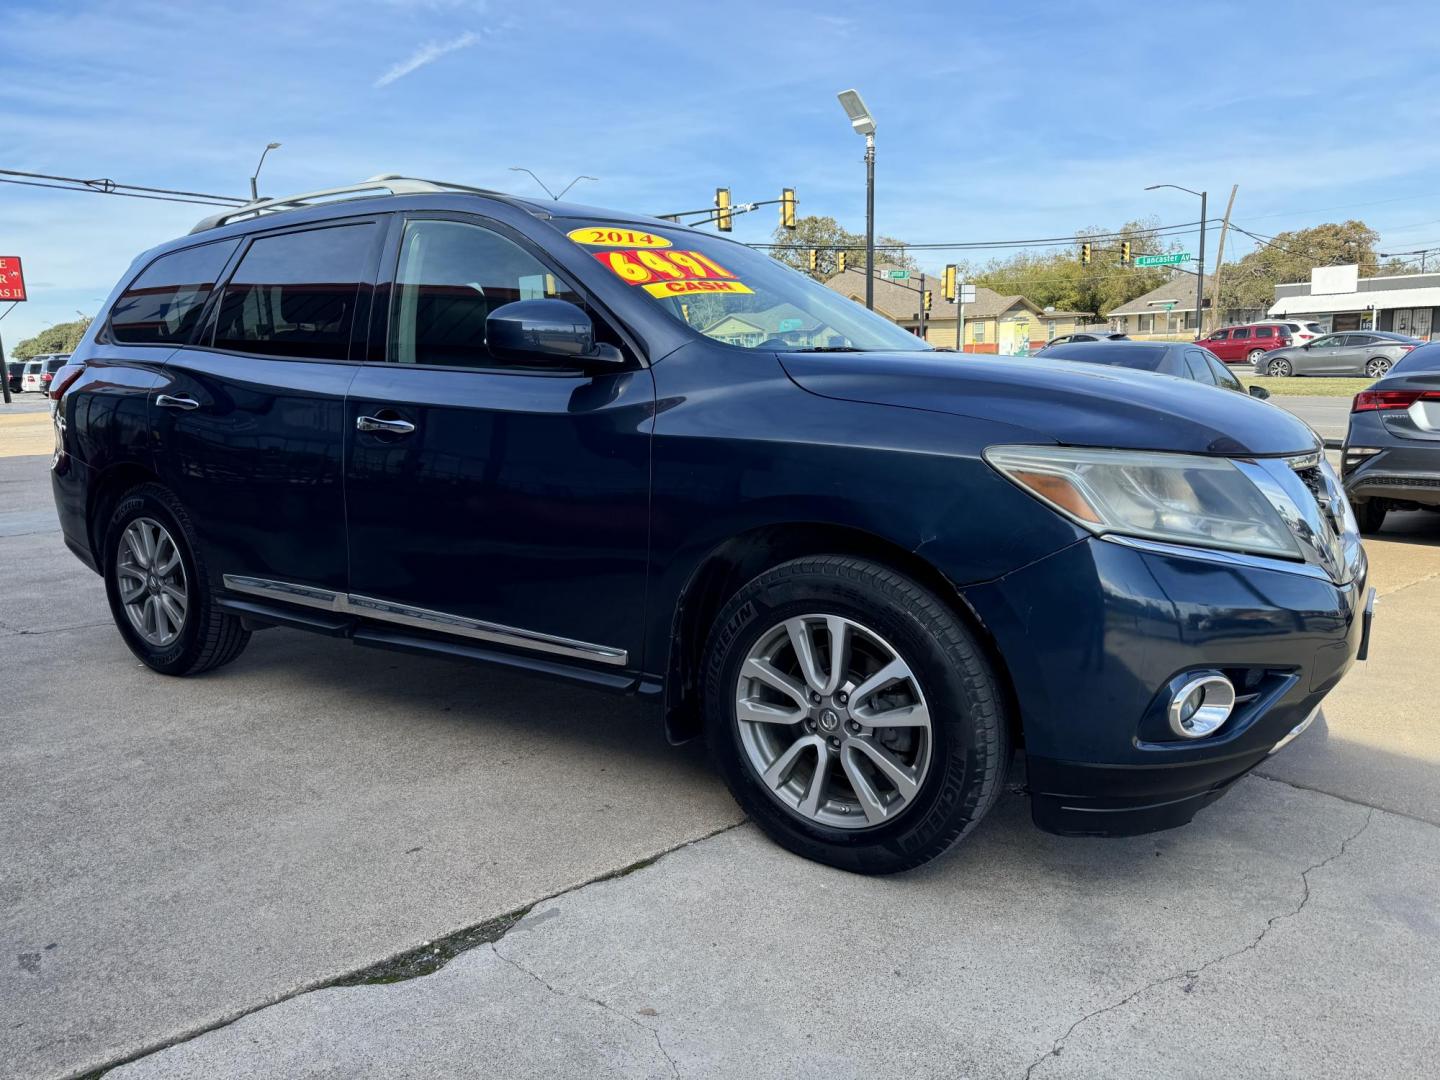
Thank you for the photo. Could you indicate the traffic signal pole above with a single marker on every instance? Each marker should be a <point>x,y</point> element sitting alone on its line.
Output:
<point>1200,278</point>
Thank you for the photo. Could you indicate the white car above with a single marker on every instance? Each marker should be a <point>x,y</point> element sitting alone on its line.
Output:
<point>30,381</point>
<point>1301,332</point>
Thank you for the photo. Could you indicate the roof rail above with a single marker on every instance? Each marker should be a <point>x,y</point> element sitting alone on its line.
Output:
<point>385,183</point>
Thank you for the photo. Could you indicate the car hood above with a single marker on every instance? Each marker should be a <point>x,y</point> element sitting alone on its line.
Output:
<point>1073,404</point>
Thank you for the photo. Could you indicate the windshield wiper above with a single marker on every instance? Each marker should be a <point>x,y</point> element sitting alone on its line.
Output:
<point>827,348</point>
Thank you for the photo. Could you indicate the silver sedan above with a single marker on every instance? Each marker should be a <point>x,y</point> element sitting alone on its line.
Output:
<point>1356,352</point>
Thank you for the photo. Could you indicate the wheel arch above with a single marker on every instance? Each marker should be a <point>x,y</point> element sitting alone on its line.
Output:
<point>745,556</point>
<point>105,493</point>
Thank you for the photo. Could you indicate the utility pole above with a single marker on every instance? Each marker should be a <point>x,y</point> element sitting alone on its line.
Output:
<point>1219,259</point>
<point>1200,281</point>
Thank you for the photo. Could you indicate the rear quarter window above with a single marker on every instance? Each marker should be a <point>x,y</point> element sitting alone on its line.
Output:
<point>163,304</point>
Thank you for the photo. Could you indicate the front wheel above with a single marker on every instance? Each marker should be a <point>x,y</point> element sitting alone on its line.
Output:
<point>1279,368</point>
<point>1377,367</point>
<point>1370,515</point>
<point>854,717</point>
<point>158,591</point>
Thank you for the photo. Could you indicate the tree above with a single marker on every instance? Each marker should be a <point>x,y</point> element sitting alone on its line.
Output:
<point>60,338</point>
<point>1250,283</point>
<point>1057,278</point>
<point>825,235</point>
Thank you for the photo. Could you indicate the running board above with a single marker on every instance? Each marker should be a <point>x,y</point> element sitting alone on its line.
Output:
<point>368,607</point>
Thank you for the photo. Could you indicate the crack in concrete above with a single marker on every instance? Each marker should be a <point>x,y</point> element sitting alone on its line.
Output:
<point>20,631</point>
<point>654,1033</point>
<point>1193,974</point>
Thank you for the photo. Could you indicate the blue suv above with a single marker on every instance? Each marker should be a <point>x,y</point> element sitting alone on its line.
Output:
<point>616,450</point>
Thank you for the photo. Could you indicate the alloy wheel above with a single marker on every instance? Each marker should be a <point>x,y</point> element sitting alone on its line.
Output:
<point>150,575</point>
<point>1377,368</point>
<point>1255,355</point>
<point>1279,368</point>
<point>833,721</point>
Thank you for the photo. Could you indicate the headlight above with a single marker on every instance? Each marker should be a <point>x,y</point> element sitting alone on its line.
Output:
<point>1177,498</point>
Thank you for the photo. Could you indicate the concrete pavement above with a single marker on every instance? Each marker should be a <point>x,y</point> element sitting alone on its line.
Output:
<point>180,854</point>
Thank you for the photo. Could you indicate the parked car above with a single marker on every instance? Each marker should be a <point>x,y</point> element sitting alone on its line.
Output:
<point>15,374</point>
<point>1181,360</point>
<point>1301,332</point>
<point>53,363</point>
<point>1087,335</point>
<point>1357,352</point>
<point>30,380</point>
<point>447,421</point>
<point>1239,344</point>
<point>1391,457</point>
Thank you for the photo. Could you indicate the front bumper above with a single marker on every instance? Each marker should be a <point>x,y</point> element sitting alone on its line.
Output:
<point>1095,636</point>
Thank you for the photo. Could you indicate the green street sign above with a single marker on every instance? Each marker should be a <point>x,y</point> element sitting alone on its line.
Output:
<point>1163,260</point>
<point>897,275</point>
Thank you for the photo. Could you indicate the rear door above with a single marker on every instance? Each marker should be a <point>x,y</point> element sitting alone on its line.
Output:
<point>251,419</point>
<point>507,504</point>
<point>1265,337</point>
<point>1238,346</point>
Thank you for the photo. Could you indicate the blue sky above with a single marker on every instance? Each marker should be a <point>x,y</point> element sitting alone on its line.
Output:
<point>995,119</point>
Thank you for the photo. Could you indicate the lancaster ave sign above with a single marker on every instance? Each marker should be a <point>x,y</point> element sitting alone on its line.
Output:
<point>1163,260</point>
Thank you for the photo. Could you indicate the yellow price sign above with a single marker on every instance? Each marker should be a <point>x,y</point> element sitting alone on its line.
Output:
<point>602,236</point>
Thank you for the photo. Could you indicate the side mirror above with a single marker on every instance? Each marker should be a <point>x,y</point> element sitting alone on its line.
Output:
<point>546,331</point>
<point>1259,392</point>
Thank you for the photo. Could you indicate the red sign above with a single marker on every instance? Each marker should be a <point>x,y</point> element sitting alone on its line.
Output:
<point>12,278</point>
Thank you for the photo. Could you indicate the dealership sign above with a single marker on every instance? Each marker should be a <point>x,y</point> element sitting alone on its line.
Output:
<point>12,278</point>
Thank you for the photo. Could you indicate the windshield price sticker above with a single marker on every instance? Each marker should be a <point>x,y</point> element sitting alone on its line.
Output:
<point>594,236</point>
<point>671,273</point>
<point>685,288</point>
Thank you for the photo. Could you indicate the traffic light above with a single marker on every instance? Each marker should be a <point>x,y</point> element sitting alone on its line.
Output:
<point>929,298</point>
<point>947,283</point>
<point>722,204</point>
<point>787,208</point>
<point>1125,251</point>
<point>814,257</point>
<point>1085,254</point>
<point>840,262</point>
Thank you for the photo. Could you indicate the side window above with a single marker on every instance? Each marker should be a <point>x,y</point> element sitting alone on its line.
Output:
<point>295,294</point>
<point>452,275</point>
<point>1199,369</point>
<point>1360,339</point>
<point>1243,334</point>
<point>1224,377</point>
<point>1264,332</point>
<point>1220,335</point>
<point>162,305</point>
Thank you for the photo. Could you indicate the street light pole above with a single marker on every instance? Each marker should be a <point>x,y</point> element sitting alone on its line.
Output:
<point>1199,278</point>
<point>255,180</point>
<point>864,124</point>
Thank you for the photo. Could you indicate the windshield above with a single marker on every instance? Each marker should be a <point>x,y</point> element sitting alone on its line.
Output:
<point>1115,354</point>
<point>736,295</point>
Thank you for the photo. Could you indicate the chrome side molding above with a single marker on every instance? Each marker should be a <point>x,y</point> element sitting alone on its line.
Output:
<point>369,607</point>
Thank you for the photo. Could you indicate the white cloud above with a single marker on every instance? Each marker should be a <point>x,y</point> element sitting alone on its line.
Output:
<point>427,54</point>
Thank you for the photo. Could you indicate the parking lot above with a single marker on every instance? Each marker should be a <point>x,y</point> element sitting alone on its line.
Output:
<point>195,866</point>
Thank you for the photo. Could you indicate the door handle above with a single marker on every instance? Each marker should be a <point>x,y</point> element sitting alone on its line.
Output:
<point>165,401</point>
<point>390,427</point>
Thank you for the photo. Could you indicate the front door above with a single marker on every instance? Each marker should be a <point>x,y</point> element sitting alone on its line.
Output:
<point>1322,356</point>
<point>250,421</point>
<point>486,501</point>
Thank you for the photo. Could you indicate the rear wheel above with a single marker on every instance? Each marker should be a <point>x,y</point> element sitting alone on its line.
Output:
<point>854,717</point>
<point>1376,367</point>
<point>1370,515</point>
<point>1255,355</point>
<point>1279,368</point>
<point>158,588</point>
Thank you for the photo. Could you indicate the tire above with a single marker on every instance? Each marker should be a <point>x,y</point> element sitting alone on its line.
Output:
<point>1377,367</point>
<point>1370,515</point>
<point>1254,355</point>
<point>966,743</point>
<point>1279,368</point>
<point>203,637</point>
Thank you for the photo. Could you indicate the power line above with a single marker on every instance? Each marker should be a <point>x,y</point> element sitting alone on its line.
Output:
<point>106,186</point>
<point>1047,241</point>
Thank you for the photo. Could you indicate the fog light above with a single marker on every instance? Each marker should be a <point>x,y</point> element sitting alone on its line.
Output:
<point>1201,705</point>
